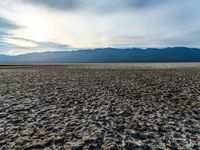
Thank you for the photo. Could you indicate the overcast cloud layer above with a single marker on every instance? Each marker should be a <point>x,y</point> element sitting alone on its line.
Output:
<point>54,25</point>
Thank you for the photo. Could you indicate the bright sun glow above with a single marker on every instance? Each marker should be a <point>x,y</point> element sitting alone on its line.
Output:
<point>37,26</point>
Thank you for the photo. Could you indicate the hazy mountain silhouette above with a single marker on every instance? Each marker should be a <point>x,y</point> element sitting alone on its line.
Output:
<point>176,54</point>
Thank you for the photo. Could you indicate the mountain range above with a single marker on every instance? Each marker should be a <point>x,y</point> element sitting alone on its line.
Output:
<point>108,55</point>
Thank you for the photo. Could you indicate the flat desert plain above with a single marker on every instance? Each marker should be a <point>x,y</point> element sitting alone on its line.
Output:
<point>99,106</point>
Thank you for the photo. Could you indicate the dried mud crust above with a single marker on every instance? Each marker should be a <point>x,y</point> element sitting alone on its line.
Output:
<point>69,107</point>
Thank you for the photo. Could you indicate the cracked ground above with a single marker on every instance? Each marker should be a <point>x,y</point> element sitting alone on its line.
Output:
<point>83,107</point>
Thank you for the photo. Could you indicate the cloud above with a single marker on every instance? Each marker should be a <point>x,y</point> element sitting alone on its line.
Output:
<point>3,33</point>
<point>40,25</point>
<point>15,46</point>
<point>20,43</point>
<point>7,24</point>
<point>40,44</point>
<point>57,4</point>
<point>53,45</point>
<point>96,6</point>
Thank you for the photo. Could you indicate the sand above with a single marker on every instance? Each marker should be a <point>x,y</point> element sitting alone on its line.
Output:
<point>84,107</point>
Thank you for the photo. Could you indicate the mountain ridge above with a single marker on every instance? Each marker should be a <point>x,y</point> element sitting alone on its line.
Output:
<point>109,55</point>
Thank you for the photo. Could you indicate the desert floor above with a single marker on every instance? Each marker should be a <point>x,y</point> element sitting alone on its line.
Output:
<point>99,107</point>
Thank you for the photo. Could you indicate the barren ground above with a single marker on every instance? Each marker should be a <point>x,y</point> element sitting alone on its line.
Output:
<point>82,107</point>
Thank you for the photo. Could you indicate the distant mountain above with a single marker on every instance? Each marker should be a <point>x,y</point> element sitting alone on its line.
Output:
<point>103,55</point>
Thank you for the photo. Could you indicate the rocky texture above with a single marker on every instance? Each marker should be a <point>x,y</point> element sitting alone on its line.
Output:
<point>75,107</point>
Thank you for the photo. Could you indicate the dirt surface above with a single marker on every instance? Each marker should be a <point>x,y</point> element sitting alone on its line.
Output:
<point>76,107</point>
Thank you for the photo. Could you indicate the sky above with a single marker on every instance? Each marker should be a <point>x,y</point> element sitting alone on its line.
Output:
<point>28,26</point>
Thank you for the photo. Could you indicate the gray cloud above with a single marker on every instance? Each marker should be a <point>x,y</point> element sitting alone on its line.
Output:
<point>57,4</point>
<point>44,44</point>
<point>5,27</point>
<point>95,5</point>
<point>4,34</point>
<point>13,49</point>
<point>7,24</point>
<point>145,3</point>
<point>54,45</point>
<point>40,45</point>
